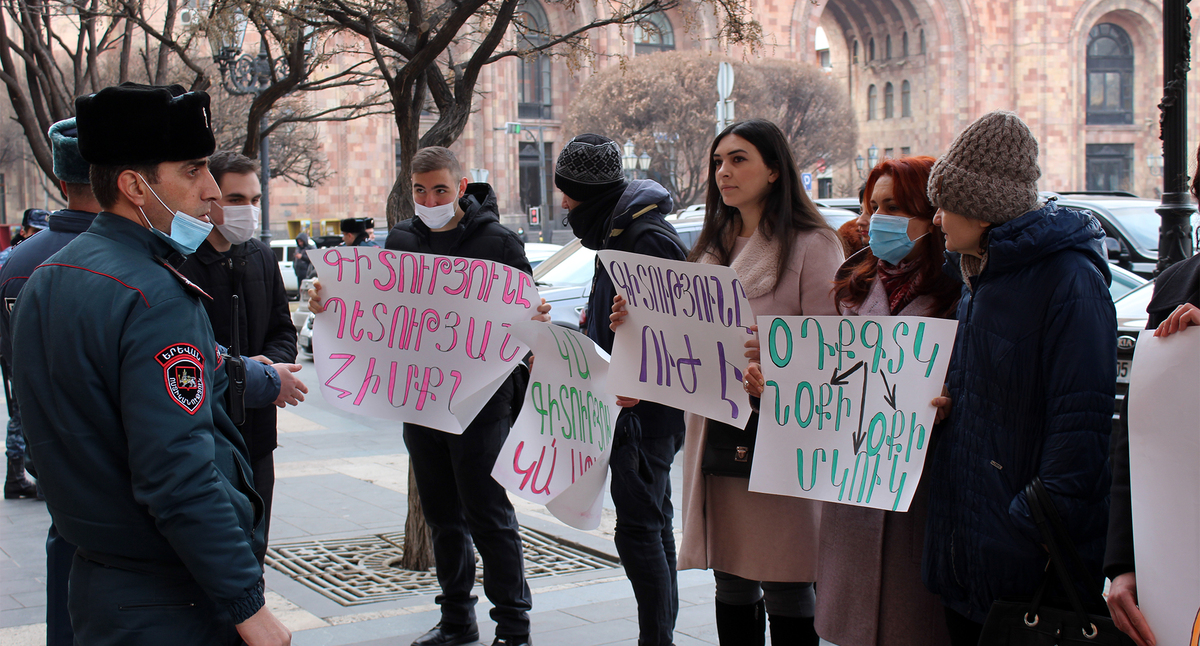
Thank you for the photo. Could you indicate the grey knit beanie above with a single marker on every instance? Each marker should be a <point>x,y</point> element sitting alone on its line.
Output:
<point>588,166</point>
<point>990,172</point>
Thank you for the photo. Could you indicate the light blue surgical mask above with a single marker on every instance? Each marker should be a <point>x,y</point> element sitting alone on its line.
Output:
<point>187,233</point>
<point>889,238</point>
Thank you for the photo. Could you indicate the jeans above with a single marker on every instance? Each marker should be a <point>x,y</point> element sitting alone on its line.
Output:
<point>14,441</point>
<point>464,503</point>
<point>641,492</point>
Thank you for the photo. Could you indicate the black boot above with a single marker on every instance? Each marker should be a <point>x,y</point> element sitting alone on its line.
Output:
<point>793,631</point>
<point>16,485</point>
<point>741,625</point>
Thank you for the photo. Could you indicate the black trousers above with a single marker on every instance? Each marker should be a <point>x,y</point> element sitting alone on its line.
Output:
<point>463,503</point>
<point>641,493</point>
<point>963,631</point>
<point>59,555</point>
<point>264,483</point>
<point>112,606</point>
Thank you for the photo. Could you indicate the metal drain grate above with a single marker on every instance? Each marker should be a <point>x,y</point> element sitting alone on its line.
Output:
<point>355,571</point>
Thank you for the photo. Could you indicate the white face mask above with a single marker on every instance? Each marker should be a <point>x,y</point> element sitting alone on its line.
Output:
<point>436,217</point>
<point>241,222</point>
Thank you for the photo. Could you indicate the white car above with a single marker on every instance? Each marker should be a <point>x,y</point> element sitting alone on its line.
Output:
<point>285,251</point>
<point>536,252</point>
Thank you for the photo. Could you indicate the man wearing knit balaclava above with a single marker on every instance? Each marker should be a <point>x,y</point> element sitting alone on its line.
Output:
<point>606,211</point>
<point>1031,381</point>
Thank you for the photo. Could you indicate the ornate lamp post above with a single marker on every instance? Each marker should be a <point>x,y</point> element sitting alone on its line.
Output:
<point>872,156</point>
<point>1174,243</point>
<point>665,144</point>
<point>245,76</point>
<point>859,163</point>
<point>644,163</point>
<point>629,160</point>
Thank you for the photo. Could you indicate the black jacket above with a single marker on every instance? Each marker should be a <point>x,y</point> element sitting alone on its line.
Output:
<point>1179,284</point>
<point>478,235</point>
<point>265,321</point>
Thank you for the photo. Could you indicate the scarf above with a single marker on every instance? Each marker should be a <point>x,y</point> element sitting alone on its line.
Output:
<point>592,220</point>
<point>755,265</point>
<point>900,282</point>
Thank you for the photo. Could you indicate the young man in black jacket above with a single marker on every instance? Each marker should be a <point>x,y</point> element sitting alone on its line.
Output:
<point>608,212</point>
<point>232,261</point>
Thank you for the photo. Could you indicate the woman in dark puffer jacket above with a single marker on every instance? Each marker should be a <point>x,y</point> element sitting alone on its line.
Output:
<point>1031,379</point>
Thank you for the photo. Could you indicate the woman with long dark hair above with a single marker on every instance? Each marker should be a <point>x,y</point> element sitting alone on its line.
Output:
<point>870,566</point>
<point>762,548</point>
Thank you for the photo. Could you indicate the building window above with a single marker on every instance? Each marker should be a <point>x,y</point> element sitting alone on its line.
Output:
<point>824,187</point>
<point>904,44</point>
<point>887,48</point>
<point>531,187</point>
<point>653,35</point>
<point>889,153</point>
<point>889,101</point>
<point>872,99</point>
<point>922,42</point>
<point>906,99</point>
<point>905,151</point>
<point>1110,75</point>
<point>534,100</point>
<point>870,50</point>
<point>825,60</point>
<point>855,52</point>
<point>1109,167</point>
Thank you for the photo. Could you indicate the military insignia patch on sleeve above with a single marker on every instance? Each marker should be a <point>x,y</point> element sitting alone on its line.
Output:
<point>183,373</point>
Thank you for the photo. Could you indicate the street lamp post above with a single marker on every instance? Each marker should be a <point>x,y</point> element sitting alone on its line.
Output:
<point>1174,243</point>
<point>629,160</point>
<point>644,164</point>
<point>665,144</point>
<point>859,164</point>
<point>248,76</point>
<point>872,156</point>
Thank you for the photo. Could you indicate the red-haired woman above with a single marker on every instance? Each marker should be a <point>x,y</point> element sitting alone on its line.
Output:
<point>870,560</point>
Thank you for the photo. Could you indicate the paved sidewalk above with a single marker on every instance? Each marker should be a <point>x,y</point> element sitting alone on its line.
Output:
<point>341,476</point>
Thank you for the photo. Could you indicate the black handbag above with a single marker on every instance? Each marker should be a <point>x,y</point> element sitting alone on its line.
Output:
<point>1035,622</point>
<point>729,450</point>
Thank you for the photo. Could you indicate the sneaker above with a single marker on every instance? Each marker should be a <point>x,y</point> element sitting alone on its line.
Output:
<point>447,634</point>
<point>523,640</point>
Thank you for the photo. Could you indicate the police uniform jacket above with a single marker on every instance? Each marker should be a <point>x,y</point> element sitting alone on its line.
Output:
<point>122,392</point>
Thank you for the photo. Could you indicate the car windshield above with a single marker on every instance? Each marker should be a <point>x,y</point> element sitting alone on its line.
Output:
<point>1142,223</point>
<point>575,269</point>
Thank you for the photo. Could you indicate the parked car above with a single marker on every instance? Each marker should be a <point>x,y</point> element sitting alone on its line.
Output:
<point>1130,223</point>
<point>848,203</point>
<point>565,279</point>
<point>1123,282</point>
<point>1131,319</point>
<point>285,251</point>
<point>536,252</point>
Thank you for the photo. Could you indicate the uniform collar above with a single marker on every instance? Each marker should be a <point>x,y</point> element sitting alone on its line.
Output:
<point>133,235</point>
<point>71,221</point>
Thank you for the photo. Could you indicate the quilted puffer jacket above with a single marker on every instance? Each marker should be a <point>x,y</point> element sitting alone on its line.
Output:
<point>1032,380</point>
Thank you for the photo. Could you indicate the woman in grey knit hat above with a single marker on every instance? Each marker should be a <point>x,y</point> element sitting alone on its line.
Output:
<point>1031,379</point>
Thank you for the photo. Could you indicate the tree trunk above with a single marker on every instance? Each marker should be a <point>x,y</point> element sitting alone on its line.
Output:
<point>418,544</point>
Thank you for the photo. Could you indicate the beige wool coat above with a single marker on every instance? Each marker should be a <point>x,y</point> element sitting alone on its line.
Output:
<point>870,560</point>
<point>761,537</point>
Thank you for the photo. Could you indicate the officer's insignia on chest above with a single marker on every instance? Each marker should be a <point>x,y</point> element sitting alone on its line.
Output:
<point>183,374</point>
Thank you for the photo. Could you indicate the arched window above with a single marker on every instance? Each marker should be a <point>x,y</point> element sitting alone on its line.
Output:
<point>653,35</point>
<point>922,42</point>
<point>1110,75</point>
<point>904,44</point>
<point>533,76</point>
<point>872,100</point>
<point>887,48</point>
<point>856,52</point>
<point>870,50</point>
<point>905,99</point>
<point>889,101</point>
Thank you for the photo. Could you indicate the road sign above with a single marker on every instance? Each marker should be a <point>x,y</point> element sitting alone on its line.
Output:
<point>806,180</point>
<point>535,216</point>
<point>724,80</point>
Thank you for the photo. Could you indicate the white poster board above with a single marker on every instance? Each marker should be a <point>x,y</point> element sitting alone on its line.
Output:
<point>1164,474</point>
<point>558,449</point>
<point>416,337</point>
<point>683,341</point>
<point>846,412</point>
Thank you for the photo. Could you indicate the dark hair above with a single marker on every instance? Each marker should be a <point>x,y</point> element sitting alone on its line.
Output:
<point>787,211</point>
<point>910,175</point>
<point>224,162</point>
<point>104,180</point>
<point>433,158</point>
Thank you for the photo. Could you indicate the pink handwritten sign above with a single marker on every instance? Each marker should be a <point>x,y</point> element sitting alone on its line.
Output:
<point>417,337</point>
<point>557,451</point>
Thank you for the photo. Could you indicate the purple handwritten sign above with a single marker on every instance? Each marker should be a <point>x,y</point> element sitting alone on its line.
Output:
<point>683,342</point>
<point>416,337</point>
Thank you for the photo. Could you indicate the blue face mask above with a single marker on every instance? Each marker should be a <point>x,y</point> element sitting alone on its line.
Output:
<point>889,238</point>
<point>187,233</point>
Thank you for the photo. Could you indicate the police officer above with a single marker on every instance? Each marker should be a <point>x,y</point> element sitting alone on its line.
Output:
<point>357,232</point>
<point>142,468</point>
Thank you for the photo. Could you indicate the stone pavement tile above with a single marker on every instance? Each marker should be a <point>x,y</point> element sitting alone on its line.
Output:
<point>9,603</point>
<point>693,616</point>
<point>22,616</point>
<point>607,632</point>
<point>552,620</point>
<point>31,599</point>
<point>605,610</point>
<point>703,633</point>
<point>283,531</point>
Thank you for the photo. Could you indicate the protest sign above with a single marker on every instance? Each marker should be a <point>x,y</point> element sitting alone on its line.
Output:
<point>683,341</point>
<point>557,451</point>
<point>1164,479</point>
<point>416,337</point>
<point>846,412</point>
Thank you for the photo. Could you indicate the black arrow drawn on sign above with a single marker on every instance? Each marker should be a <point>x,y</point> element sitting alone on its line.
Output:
<point>890,396</point>
<point>858,438</point>
<point>840,380</point>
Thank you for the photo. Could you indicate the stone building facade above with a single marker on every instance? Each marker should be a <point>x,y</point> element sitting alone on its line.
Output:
<point>1086,75</point>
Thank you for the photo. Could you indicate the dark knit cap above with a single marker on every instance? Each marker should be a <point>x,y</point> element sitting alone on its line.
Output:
<point>990,172</point>
<point>588,166</point>
<point>143,124</point>
<point>69,166</point>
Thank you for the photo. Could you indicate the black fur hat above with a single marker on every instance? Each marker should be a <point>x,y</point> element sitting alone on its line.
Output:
<point>357,225</point>
<point>144,124</point>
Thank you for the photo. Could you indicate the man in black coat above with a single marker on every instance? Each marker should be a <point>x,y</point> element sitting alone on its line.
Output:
<point>232,261</point>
